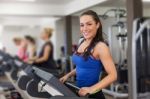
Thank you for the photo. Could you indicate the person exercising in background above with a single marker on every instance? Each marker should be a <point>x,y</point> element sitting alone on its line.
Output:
<point>91,56</point>
<point>45,60</point>
<point>22,48</point>
<point>31,47</point>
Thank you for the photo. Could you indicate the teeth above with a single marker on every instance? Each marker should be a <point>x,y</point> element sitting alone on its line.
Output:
<point>85,33</point>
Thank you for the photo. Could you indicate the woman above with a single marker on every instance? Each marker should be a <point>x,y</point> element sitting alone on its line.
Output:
<point>22,48</point>
<point>45,59</point>
<point>91,56</point>
<point>31,48</point>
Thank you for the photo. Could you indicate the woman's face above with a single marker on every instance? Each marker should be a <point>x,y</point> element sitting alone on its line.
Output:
<point>27,41</point>
<point>44,35</point>
<point>24,43</point>
<point>17,43</point>
<point>88,26</point>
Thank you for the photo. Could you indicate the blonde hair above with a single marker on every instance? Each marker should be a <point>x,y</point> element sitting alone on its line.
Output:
<point>48,31</point>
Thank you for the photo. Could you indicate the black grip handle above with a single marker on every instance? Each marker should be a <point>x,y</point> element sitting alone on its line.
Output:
<point>75,88</point>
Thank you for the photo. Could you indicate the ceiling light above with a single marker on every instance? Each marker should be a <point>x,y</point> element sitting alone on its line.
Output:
<point>146,0</point>
<point>27,0</point>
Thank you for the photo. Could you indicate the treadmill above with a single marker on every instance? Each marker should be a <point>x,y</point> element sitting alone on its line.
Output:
<point>11,64</point>
<point>53,88</point>
<point>37,82</point>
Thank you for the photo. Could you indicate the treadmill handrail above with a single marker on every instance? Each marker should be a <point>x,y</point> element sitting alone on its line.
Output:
<point>51,90</point>
<point>52,81</point>
<point>42,74</point>
<point>73,86</point>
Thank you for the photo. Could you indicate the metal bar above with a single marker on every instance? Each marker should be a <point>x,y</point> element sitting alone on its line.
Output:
<point>115,94</point>
<point>68,35</point>
<point>71,67</point>
<point>134,10</point>
<point>133,67</point>
<point>110,38</point>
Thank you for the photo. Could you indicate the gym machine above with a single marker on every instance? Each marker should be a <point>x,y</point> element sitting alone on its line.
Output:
<point>53,88</point>
<point>11,64</point>
<point>36,82</point>
<point>141,58</point>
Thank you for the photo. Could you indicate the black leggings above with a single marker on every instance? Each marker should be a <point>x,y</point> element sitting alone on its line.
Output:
<point>98,95</point>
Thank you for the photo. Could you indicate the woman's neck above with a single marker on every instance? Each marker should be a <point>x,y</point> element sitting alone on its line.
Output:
<point>88,41</point>
<point>46,40</point>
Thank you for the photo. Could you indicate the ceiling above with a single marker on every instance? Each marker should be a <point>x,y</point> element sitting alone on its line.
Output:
<point>55,7</point>
<point>44,8</point>
<point>13,9</point>
<point>14,12</point>
<point>110,4</point>
<point>113,3</point>
<point>39,1</point>
<point>121,3</point>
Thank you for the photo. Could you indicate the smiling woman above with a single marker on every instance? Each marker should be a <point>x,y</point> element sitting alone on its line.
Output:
<point>91,56</point>
<point>91,28</point>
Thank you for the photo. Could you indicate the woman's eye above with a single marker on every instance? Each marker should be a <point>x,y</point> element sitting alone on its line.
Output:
<point>81,25</point>
<point>89,24</point>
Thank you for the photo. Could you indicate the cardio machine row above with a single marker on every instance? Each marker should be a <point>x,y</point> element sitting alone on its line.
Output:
<point>30,79</point>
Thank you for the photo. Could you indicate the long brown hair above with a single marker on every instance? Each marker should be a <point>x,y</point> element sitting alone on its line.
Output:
<point>99,34</point>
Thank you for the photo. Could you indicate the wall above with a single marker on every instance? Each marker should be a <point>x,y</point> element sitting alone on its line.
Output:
<point>75,30</point>
<point>60,33</point>
<point>11,31</point>
<point>15,31</point>
<point>57,38</point>
<point>60,30</point>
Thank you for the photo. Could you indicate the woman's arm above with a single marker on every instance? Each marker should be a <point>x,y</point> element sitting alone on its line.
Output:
<point>32,53</point>
<point>107,61</point>
<point>70,74</point>
<point>104,55</point>
<point>45,56</point>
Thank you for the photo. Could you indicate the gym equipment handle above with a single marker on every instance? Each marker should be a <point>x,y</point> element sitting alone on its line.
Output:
<point>74,87</point>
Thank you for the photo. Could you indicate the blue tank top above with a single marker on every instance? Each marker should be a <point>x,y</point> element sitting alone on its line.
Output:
<point>87,71</point>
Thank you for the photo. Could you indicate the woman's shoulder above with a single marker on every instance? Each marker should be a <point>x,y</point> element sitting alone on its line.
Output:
<point>49,43</point>
<point>101,45</point>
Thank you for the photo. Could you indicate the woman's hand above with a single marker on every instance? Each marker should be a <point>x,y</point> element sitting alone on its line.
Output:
<point>84,91</point>
<point>30,62</point>
<point>64,78</point>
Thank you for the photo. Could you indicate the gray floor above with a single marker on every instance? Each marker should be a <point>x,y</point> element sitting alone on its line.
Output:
<point>3,80</point>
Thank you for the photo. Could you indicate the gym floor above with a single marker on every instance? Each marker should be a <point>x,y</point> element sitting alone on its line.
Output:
<point>3,79</point>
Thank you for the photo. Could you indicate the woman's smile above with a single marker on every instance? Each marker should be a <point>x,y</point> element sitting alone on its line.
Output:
<point>86,34</point>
